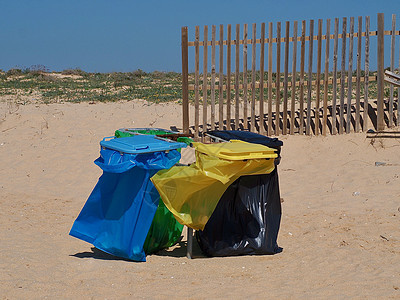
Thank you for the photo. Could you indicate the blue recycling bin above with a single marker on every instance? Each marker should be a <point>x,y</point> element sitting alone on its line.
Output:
<point>118,213</point>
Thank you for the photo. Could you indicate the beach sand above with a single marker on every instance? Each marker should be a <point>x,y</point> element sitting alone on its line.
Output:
<point>340,229</point>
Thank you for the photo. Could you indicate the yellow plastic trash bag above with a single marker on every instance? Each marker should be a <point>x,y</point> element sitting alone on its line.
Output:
<point>192,192</point>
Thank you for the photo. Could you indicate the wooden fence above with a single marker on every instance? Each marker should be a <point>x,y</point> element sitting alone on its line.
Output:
<point>272,101</point>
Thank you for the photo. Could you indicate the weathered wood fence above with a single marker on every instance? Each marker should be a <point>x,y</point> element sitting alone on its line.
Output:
<point>303,100</point>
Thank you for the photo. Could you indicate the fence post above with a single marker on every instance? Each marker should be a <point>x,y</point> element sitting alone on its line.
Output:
<point>380,117</point>
<point>185,75</point>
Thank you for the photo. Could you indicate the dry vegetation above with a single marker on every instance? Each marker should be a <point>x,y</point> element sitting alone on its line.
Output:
<point>36,84</point>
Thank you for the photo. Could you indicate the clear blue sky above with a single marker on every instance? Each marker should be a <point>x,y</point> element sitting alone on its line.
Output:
<point>121,35</point>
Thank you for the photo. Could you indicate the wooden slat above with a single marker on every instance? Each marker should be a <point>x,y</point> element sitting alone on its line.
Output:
<point>204,87</point>
<point>221,78</point>
<point>334,83</point>
<point>381,61</point>
<point>245,123</point>
<point>285,80</point>
<point>392,49</point>
<point>393,75</point>
<point>358,83</point>
<point>237,79</point>
<point>302,58</point>
<point>392,81</point>
<point>319,55</point>
<point>366,77</point>
<point>185,80</point>
<point>398,100</point>
<point>253,79</point>
<point>309,95</point>
<point>277,80</point>
<point>294,62</point>
<point>274,85</point>
<point>228,77</point>
<point>262,52</point>
<point>342,81</point>
<point>270,27</point>
<point>213,31</point>
<point>315,38</point>
<point>326,78</point>
<point>196,83</point>
<point>349,76</point>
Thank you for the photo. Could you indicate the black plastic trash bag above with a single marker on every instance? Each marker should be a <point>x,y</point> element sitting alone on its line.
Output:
<point>247,217</point>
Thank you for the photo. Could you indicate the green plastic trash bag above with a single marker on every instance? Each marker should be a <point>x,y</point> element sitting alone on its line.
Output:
<point>124,132</point>
<point>164,232</point>
<point>186,140</point>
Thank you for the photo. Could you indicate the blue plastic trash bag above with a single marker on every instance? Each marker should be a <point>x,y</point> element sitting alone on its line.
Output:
<point>118,214</point>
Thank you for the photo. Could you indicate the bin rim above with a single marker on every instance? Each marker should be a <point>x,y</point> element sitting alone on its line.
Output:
<point>272,142</point>
<point>146,129</point>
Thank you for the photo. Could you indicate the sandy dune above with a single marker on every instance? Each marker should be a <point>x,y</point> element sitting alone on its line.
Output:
<point>340,229</point>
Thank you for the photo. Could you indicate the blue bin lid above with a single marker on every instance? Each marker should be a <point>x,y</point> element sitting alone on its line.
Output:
<point>137,144</point>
